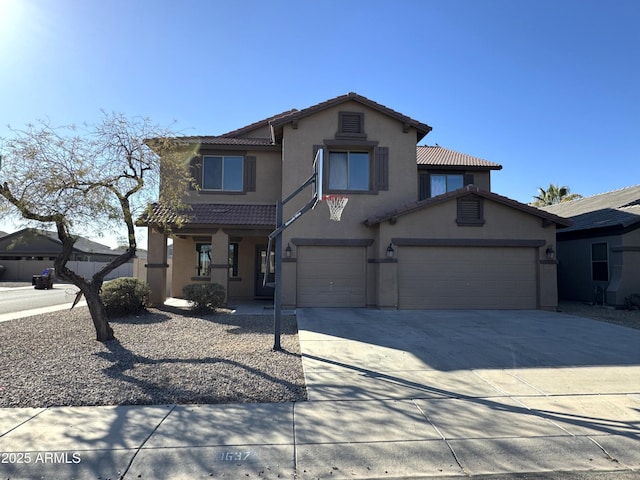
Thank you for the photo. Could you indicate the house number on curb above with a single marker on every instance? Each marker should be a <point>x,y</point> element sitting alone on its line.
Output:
<point>234,456</point>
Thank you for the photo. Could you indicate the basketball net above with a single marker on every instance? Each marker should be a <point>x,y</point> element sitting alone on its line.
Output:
<point>336,205</point>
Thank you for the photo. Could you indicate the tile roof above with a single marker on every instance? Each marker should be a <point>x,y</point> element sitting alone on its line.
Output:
<point>220,140</point>
<point>215,214</point>
<point>258,124</point>
<point>618,208</point>
<point>422,128</point>
<point>614,199</point>
<point>469,189</point>
<point>435,155</point>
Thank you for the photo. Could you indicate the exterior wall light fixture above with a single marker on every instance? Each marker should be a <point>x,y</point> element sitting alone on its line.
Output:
<point>287,251</point>
<point>390,251</point>
<point>551,254</point>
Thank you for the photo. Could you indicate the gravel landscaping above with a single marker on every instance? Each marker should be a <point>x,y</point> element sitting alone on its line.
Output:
<point>626,318</point>
<point>167,356</point>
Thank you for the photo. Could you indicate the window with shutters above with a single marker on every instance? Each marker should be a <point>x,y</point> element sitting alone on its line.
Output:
<point>445,183</point>
<point>222,173</point>
<point>350,125</point>
<point>432,184</point>
<point>359,168</point>
<point>470,211</point>
<point>349,171</point>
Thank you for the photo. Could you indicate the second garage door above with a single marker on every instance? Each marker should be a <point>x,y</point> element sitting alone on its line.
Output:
<point>467,277</point>
<point>331,276</point>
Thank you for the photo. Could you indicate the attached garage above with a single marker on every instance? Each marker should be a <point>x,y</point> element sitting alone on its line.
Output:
<point>331,276</point>
<point>472,277</point>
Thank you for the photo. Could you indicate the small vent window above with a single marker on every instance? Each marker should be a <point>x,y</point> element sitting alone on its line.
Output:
<point>351,124</point>
<point>470,211</point>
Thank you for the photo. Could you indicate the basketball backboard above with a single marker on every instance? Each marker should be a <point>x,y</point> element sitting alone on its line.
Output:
<point>318,168</point>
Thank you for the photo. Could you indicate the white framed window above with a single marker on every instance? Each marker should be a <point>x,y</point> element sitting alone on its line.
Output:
<point>223,173</point>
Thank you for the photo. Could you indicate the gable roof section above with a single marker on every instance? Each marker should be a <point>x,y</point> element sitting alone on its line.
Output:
<point>615,209</point>
<point>422,128</point>
<point>435,155</point>
<point>214,214</point>
<point>468,190</point>
<point>241,136</point>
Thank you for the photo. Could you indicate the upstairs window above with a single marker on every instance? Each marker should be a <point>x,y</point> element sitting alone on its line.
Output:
<point>599,262</point>
<point>223,173</point>
<point>446,183</point>
<point>349,171</point>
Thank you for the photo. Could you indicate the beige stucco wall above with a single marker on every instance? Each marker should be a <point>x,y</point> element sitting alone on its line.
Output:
<point>268,182</point>
<point>297,167</point>
<point>238,288</point>
<point>439,222</point>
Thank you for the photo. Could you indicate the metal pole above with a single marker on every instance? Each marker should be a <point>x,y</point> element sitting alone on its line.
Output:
<point>277,300</point>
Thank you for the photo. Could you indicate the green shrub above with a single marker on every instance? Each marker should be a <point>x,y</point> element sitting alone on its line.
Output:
<point>205,297</point>
<point>124,296</point>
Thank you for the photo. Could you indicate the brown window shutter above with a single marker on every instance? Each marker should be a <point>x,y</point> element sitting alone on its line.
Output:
<point>424,186</point>
<point>250,173</point>
<point>468,179</point>
<point>195,169</point>
<point>382,168</point>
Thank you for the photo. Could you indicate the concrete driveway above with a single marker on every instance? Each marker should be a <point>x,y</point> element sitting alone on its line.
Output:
<point>396,394</point>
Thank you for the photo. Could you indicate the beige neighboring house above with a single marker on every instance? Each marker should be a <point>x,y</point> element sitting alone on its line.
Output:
<point>421,230</point>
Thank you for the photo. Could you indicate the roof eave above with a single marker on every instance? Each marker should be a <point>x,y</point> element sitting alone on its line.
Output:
<point>468,190</point>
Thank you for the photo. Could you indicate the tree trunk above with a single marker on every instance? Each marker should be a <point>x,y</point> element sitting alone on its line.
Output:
<point>104,332</point>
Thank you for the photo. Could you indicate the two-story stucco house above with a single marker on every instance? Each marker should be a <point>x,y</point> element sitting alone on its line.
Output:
<point>422,228</point>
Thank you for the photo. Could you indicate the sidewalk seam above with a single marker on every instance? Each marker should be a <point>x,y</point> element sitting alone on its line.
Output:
<point>22,423</point>
<point>295,451</point>
<point>135,454</point>
<point>449,446</point>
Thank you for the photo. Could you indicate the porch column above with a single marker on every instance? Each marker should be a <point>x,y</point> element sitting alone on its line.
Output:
<point>220,261</point>
<point>157,267</point>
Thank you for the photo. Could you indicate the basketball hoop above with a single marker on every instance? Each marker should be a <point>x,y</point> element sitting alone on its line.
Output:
<point>336,205</point>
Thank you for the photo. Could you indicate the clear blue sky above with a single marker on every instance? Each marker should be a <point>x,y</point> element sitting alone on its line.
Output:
<point>550,89</point>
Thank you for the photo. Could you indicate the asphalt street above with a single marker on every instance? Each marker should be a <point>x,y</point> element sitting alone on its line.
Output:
<point>22,299</point>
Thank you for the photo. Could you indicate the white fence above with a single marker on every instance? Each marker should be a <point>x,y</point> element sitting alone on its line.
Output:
<point>23,270</point>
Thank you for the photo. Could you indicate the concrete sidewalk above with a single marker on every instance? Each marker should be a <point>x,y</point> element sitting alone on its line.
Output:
<point>391,395</point>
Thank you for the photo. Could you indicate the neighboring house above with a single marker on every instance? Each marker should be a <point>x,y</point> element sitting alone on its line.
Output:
<point>29,251</point>
<point>421,229</point>
<point>600,252</point>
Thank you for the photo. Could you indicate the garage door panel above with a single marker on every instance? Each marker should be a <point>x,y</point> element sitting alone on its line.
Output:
<point>467,277</point>
<point>331,276</point>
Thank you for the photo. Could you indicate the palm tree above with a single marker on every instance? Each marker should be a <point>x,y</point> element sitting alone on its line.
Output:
<point>554,194</point>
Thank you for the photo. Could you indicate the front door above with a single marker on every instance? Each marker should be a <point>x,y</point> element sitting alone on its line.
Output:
<point>261,271</point>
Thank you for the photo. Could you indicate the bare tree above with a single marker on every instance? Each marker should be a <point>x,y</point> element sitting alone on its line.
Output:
<point>97,177</point>
<point>554,194</point>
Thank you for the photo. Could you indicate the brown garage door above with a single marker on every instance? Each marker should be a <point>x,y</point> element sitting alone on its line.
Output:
<point>331,276</point>
<point>467,277</point>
